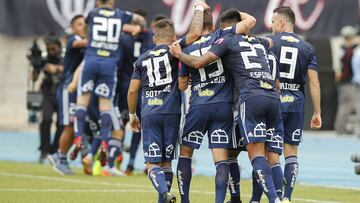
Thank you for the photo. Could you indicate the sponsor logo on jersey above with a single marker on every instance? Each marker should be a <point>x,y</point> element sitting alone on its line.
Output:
<point>206,93</point>
<point>155,102</point>
<point>265,85</point>
<point>290,39</point>
<point>157,52</point>
<point>287,99</point>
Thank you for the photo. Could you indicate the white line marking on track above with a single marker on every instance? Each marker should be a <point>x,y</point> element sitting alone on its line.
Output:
<point>144,190</point>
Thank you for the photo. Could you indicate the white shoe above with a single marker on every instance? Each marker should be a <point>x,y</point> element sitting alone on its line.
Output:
<point>116,172</point>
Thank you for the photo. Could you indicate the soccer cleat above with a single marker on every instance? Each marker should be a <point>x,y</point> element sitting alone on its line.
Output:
<point>169,198</point>
<point>96,169</point>
<point>357,169</point>
<point>102,156</point>
<point>63,168</point>
<point>75,152</point>
<point>355,158</point>
<point>285,200</point>
<point>115,172</point>
<point>53,159</point>
<point>87,165</point>
<point>129,170</point>
<point>118,161</point>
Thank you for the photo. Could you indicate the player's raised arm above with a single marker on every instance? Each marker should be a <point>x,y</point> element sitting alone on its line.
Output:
<point>314,85</point>
<point>133,94</point>
<point>192,61</point>
<point>246,24</point>
<point>196,26</point>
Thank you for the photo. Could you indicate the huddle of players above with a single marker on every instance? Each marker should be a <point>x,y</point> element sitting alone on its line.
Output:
<point>92,54</point>
<point>217,63</point>
<point>220,65</point>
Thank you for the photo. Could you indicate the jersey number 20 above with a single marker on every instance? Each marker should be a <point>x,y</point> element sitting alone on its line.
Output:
<point>106,29</point>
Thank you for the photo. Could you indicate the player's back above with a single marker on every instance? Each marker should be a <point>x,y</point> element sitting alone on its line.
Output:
<point>158,71</point>
<point>211,84</point>
<point>295,57</point>
<point>104,28</point>
<point>73,58</point>
<point>246,58</point>
<point>131,47</point>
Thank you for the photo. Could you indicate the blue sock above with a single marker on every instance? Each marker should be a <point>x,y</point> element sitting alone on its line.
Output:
<point>169,178</point>
<point>113,150</point>
<point>264,177</point>
<point>106,123</point>
<point>184,175</point>
<point>221,180</point>
<point>80,120</point>
<point>157,178</point>
<point>277,178</point>
<point>234,180</point>
<point>256,190</point>
<point>95,145</point>
<point>290,174</point>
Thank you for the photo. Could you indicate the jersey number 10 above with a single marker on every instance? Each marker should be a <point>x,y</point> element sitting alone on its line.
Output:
<point>153,72</point>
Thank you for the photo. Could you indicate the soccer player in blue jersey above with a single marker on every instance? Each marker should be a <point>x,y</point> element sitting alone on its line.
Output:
<point>211,100</point>
<point>131,48</point>
<point>74,55</point>
<point>296,61</point>
<point>99,73</point>
<point>246,59</point>
<point>156,72</point>
<point>275,143</point>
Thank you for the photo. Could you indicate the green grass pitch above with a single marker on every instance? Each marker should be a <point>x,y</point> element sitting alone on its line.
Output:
<point>25,182</point>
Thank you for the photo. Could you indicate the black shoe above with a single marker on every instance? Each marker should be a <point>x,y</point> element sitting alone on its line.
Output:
<point>77,149</point>
<point>355,158</point>
<point>169,198</point>
<point>357,169</point>
<point>42,157</point>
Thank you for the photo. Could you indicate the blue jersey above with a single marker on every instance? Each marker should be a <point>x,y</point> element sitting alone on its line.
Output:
<point>104,28</point>
<point>274,66</point>
<point>131,47</point>
<point>211,84</point>
<point>73,58</point>
<point>246,59</point>
<point>295,56</point>
<point>158,71</point>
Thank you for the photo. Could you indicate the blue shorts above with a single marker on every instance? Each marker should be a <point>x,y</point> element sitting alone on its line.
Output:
<point>258,118</point>
<point>275,142</point>
<point>293,127</point>
<point>98,76</point>
<point>160,135</point>
<point>215,120</point>
<point>66,105</point>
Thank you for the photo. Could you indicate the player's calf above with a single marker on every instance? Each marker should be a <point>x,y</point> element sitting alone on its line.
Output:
<point>184,173</point>
<point>234,178</point>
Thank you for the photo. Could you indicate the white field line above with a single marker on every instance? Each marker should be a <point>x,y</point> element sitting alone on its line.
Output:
<point>144,190</point>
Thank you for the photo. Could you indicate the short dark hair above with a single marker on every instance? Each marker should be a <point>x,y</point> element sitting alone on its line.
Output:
<point>159,17</point>
<point>230,16</point>
<point>103,1</point>
<point>75,18</point>
<point>208,22</point>
<point>140,12</point>
<point>287,12</point>
<point>164,29</point>
<point>52,39</point>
